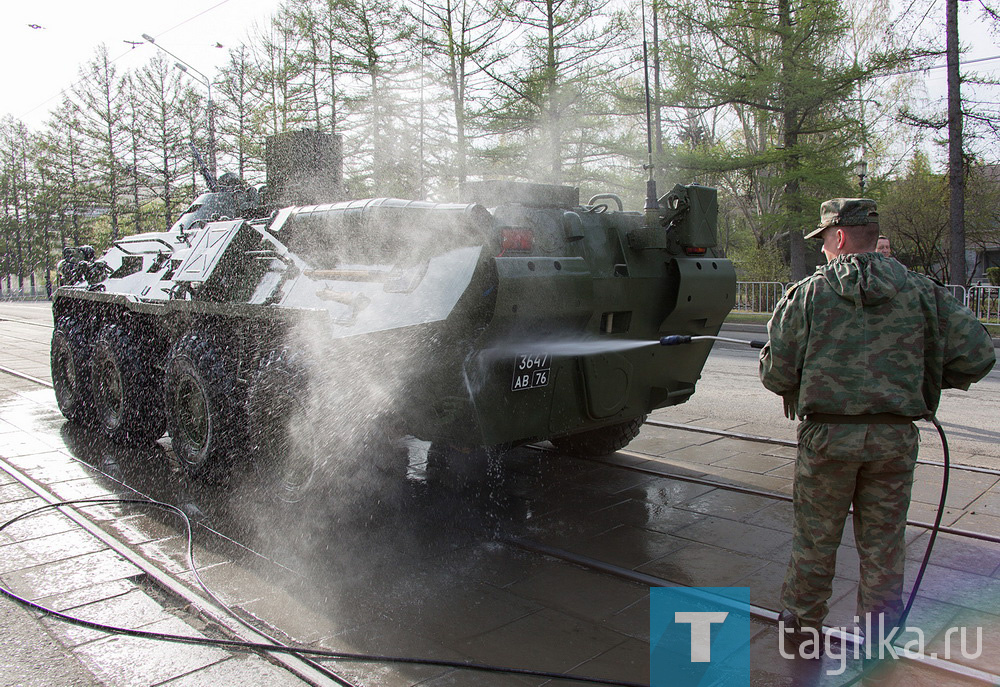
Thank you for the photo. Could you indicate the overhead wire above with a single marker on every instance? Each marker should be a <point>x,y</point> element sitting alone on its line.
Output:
<point>85,78</point>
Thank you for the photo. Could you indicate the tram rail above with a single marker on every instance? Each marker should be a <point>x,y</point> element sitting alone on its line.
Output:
<point>227,622</point>
<point>849,641</point>
<point>968,534</point>
<point>728,434</point>
<point>325,676</point>
<point>740,489</point>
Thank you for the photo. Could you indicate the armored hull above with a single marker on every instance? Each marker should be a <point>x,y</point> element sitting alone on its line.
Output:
<point>517,316</point>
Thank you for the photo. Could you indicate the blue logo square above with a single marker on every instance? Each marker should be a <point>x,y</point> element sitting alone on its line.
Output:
<point>700,636</point>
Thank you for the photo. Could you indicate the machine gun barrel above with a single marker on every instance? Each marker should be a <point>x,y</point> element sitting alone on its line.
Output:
<point>211,181</point>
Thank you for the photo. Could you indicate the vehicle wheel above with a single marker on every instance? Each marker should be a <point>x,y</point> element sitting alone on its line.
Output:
<point>601,441</point>
<point>126,385</point>
<point>201,400</point>
<point>277,399</point>
<point>70,356</point>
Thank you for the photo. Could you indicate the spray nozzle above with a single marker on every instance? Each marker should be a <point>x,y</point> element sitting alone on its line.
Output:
<point>678,339</point>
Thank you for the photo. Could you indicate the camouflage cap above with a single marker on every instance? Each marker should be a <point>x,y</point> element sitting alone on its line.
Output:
<point>845,212</point>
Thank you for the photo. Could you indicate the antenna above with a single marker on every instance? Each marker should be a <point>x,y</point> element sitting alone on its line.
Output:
<point>652,206</point>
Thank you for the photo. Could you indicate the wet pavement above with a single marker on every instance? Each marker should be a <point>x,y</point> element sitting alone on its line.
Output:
<point>431,571</point>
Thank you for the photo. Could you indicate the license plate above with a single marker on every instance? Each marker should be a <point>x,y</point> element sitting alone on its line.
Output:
<point>531,371</point>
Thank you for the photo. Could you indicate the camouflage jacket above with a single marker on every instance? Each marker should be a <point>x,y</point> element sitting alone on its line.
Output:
<point>865,335</point>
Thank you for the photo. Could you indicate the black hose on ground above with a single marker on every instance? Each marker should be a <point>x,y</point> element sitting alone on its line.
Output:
<point>240,645</point>
<point>868,670</point>
<point>679,339</point>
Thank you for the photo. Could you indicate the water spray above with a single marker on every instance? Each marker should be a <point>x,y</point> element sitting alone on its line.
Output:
<point>678,339</point>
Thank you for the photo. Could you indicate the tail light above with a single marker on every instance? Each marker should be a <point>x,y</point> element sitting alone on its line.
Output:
<point>516,240</point>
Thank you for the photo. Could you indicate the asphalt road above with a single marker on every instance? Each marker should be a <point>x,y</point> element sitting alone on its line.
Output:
<point>730,392</point>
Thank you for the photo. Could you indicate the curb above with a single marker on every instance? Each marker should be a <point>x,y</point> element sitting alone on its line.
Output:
<point>744,327</point>
<point>762,329</point>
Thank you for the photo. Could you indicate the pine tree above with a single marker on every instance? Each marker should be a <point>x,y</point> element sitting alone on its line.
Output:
<point>777,82</point>
<point>14,191</point>
<point>64,149</point>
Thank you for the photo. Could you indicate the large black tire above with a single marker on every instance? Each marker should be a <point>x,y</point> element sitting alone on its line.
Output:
<point>127,385</point>
<point>69,356</point>
<point>203,404</point>
<point>277,398</point>
<point>601,441</point>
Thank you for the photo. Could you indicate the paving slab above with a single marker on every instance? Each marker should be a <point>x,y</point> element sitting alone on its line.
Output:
<point>133,610</point>
<point>733,535</point>
<point>627,546</point>
<point>753,461</point>
<point>728,504</point>
<point>121,661</point>
<point>67,574</point>
<point>701,565</point>
<point>47,549</point>
<point>570,642</point>
<point>31,657</point>
<point>631,657</point>
<point>236,670</point>
<point>441,586</point>
<point>579,592</point>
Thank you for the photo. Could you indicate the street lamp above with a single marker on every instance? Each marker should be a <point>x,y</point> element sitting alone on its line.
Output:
<point>861,170</point>
<point>185,67</point>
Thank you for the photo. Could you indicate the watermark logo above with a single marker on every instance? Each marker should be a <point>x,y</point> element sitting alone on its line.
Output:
<point>873,640</point>
<point>699,636</point>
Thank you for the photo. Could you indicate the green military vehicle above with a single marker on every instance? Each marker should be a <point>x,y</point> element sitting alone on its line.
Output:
<point>517,315</point>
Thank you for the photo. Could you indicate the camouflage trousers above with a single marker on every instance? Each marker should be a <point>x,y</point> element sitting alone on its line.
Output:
<point>824,491</point>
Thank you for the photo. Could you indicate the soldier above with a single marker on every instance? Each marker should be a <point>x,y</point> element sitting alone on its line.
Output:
<point>860,349</point>
<point>883,246</point>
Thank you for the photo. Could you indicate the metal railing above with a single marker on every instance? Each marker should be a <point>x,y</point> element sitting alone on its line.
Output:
<point>758,296</point>
<point>761,296</point>
<point>960,293</point>
<point>27,293</point>
<point>984,302</point>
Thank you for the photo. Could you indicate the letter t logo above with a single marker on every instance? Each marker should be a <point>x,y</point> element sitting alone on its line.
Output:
<point>701,632</point>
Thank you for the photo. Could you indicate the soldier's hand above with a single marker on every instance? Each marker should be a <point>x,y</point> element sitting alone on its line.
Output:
<point>790,401</point>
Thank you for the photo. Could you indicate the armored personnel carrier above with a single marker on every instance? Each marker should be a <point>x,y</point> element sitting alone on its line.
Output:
<point>517,315</point>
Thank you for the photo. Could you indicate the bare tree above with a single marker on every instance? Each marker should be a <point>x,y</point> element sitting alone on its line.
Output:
<point>550,85</point>
<point>159,91</point>
<point>99,101</point>
<point>240,132</point>
<point>459,39</point>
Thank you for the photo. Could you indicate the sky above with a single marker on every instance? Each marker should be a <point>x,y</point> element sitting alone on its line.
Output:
<point>38,64</point>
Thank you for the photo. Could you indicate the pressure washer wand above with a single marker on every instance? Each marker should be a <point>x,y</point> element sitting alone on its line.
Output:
<point>678,339</point>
